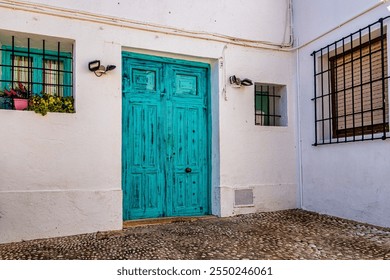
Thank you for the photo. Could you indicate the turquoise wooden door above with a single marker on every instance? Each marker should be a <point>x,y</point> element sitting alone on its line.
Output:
<point>165,141</point>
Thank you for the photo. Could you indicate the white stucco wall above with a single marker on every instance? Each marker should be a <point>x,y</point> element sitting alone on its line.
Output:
<point>313,18</point>
<point>61,174</point>
<point>245,19</point>
<point>347,180</point>
<point>258,157</point>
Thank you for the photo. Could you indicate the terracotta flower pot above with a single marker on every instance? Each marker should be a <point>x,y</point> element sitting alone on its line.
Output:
<point>20,103</point>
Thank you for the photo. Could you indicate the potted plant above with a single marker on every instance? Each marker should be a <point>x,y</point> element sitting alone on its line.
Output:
<point>19,96</point>
<point>5,101</point>
<point>44,103</point>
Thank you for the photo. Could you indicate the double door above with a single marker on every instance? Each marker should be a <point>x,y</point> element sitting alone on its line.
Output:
<point>165,143</point>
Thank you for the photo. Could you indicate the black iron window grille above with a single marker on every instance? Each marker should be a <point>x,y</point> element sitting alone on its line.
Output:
<point>35,67</point>
<point>270,106</point>
<point>351,87</point>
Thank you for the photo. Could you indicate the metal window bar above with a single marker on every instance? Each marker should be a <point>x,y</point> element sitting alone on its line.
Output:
<point>329,97</point>
<point>315,101</point>
<point>353,93</point>
<point>29,79</point>
<point>268,111</point>
<point>31,54</point>
<point>344,93</point>
<point>274,103</point>
<point>322,100</point>
<point>13,61</point>
<point>350,87</point>
<point>371,103</point>
<point>335,112</point>
<point>383,81</point>
<point>361,79</point>
<point>58,69</point>
<point>43,66</point>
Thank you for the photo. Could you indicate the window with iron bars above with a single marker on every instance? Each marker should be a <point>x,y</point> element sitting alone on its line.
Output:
<point>34,67</point>
<point>270,105</point>
<point>351,87</point>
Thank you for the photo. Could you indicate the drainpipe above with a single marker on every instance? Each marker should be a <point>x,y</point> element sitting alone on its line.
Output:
<point>298,114</point>
<point>299,131</point>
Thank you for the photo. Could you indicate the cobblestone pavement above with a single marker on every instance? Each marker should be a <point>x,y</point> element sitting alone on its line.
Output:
<point>291,234</point>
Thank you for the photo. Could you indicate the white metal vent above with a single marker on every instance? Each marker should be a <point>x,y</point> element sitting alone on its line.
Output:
<point>243,198</point>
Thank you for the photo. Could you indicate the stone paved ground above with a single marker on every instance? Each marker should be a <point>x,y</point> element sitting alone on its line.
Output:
<point>291,234</point>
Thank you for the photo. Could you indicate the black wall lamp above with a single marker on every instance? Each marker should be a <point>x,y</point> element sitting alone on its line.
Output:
<point>98,69</point>
<point>238,82</point>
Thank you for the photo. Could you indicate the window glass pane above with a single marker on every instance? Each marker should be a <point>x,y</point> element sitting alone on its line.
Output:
<point>54,77</point>
<point>21,69</point>
<point>358,101</point>
<point>262,107</point>
<point>358,89</point>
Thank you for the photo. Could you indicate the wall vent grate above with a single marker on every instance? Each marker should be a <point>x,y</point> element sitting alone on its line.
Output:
<point>243,198</point>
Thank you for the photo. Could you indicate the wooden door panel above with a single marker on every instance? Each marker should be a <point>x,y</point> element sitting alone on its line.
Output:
<point>189,146</point>
<point>143,129</point>
<point>142,77</point>
<point>189,83</point>
<point>188,195</point>
<point>189,151</point>
<point>143,179</point>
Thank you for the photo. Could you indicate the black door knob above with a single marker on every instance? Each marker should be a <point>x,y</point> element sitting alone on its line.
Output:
<point>188,170</point>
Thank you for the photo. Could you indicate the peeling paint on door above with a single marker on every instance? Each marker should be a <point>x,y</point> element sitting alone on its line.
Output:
<point>165,146</point>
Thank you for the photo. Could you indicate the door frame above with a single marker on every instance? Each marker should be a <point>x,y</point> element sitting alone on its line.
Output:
<point>183,62</point>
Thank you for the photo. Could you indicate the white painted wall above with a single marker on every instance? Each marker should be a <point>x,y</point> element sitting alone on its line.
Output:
<point>246,19</point>
<point>61,174</point>
<point>347,180</point>
<point>258,157</point>
<point>313,18</point>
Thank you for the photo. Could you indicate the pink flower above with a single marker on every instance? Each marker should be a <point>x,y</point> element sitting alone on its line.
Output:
<point>21,86</point>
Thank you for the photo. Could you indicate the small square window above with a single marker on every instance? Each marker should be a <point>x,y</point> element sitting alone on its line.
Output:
<point>270,105</point>
<point>34,70</point>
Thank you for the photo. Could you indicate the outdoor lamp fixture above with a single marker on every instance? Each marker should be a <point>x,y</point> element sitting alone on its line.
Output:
<point>234,81</point>
<point>99,70</point>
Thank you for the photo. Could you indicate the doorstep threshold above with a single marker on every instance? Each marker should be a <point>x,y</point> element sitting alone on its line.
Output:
<point>164,220</point>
